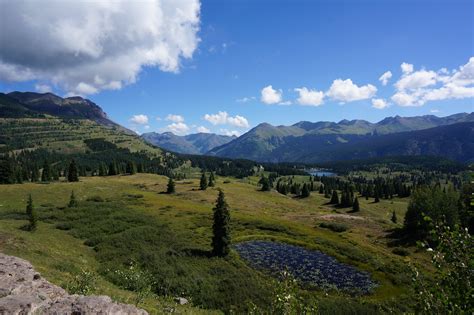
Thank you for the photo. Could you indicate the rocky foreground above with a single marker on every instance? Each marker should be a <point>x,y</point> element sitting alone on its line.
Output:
<point>24,291</point>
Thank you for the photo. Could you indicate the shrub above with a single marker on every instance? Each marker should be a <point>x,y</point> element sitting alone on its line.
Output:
<point>96,199</point>
<point>83,283</point>
<point>400,251</point>
<point>335,227</point>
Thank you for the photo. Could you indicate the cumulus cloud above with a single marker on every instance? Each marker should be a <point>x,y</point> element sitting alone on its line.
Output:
<point>271,96</point>
<point>416,80</point>
<point>309,97</point>
<point>379,103</point>
<point>246,99</point>
<point>346,91</point>
<point>406,68</point>
<point>202,129</point>
<point>385,77</point>
<point>230,133</point>
<point>223,118</point>
<point>84,46</point>
<point>175,118</point>
<point>43,88</point>
<point>418,87</point>
<point>238,121</point>
<point>139,119</point>
<point>178,128</point>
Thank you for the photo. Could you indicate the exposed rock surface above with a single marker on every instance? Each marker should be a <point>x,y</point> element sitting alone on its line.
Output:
<point>24,291</point>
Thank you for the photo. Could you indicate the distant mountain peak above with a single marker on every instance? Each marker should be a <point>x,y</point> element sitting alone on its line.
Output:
<point>197,143</point>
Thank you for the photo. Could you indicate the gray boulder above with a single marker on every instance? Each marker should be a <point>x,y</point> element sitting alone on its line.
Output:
<point>24,291</point>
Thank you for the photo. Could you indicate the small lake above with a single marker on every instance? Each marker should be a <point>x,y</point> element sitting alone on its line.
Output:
<point>321,173</point>
<point>310,267</point>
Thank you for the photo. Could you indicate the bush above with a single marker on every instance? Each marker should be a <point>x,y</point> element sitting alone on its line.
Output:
<point>96,199</point>
<point>82,283</point>
<point>400,251</point>
<point>335,227</point>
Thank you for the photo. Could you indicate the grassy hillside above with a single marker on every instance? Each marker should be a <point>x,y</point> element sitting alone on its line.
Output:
<point>124,218</point>
<point>64,135</point>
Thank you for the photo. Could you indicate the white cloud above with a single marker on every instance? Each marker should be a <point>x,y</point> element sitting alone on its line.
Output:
<point>43,88</point>
<point>238,121</point>
<point>434,111</point>
<point>139,119</point>
<point>178,128</point>
<point>406,68</point>
<point>309,97</point>
<point>385,77</point>
<point>271,96</point>
<point>416,80</point>
<point>346,91</point>
<point>217,119</point>
<point>87,46</point>
<point>223,118</point>
<point>158,118</point>
<point>285,103</point>
<point>146,127</point>
<point>230,133</point>
<point>203,129</point>
<point>175,118</point>
<point>419,87</point>
<point>245,99</point>
<point>379,103</point>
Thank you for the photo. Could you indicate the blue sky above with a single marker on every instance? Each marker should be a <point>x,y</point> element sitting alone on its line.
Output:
<point>243,47</point>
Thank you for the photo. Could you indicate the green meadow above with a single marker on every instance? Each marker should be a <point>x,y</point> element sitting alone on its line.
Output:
<point>129,220</point>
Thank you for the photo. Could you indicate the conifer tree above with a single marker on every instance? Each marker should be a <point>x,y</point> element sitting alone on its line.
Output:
<point>265,183</point>
<point>72,174</point>
<point>305,192</point>
<point>34,174</point>
<point>31,213</point>
<point>334,198</point>
<point>321,189</point>
<point>46,173</point>
<point>131,168</point>
<point>72,200</point>
<point>7,171</point>
<point>211,180</point>
<point>221,227</point>
<point>112,169</point>
<point>203,182</point>
<point>376,199</point>
<point>394,217</point>
<point>355,205</point>
<point>171,186</point>
<point>102,169</point>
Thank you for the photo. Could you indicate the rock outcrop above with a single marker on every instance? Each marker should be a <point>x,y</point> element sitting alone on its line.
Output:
<point>24,291</point>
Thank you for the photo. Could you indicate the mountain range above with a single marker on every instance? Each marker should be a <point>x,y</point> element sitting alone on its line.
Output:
<point>35,120</point>
<point>198,143</point>
<point>309,142</point>
<point>31,104</point>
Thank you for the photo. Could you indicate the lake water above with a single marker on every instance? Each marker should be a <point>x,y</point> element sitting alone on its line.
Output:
<point>321,173</point>
<point>310,267</point>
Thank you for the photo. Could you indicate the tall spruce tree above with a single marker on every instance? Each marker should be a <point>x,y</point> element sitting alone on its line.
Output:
<point>31,214</point>
<point>113,169</point>
<point>355,205</point>
<point>394,217</point>
<point>170,189</point>
<point>72,200</point>
<point>46,173</point>
<point>211,180</point>
<point>265,183</point>
<point>203,182</point>
<point>72,174</point>
<point>305,192</point>
<point>334,198</point>
<point>221,227</point>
